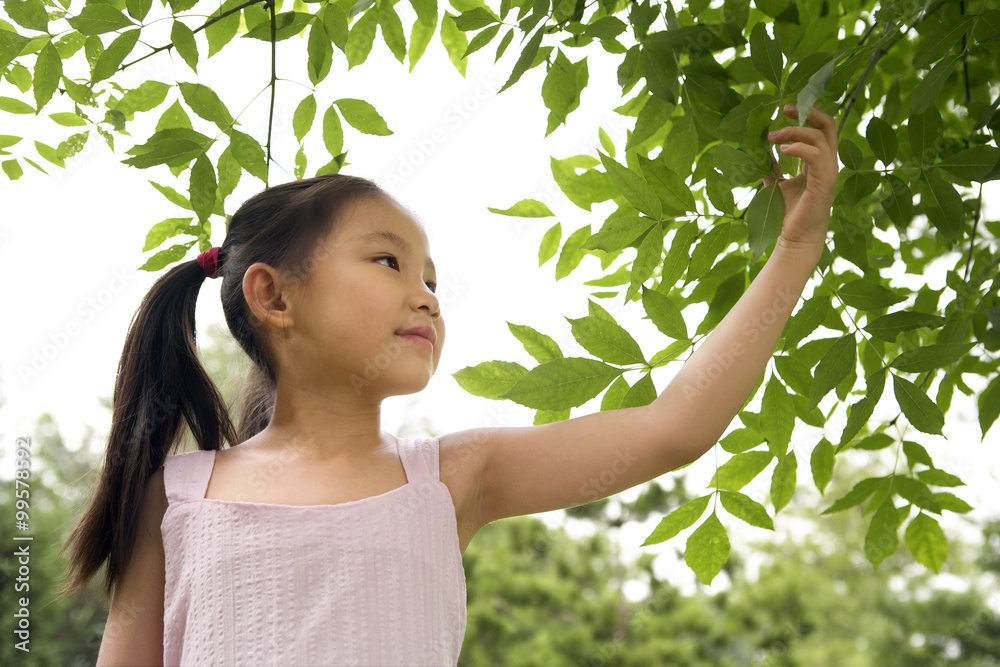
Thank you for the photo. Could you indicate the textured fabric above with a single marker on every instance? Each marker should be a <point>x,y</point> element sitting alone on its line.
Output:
<point>375,581</point>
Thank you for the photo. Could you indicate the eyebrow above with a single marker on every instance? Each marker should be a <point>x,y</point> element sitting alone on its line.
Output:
<point>393,238</point>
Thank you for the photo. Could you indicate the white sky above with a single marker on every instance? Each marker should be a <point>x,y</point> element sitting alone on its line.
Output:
<point>70,246</point>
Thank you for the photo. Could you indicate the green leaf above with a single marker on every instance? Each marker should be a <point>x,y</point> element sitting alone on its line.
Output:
<point>362,116</point>
<point>13,170</point>
<point>203,187</point>
<point>738,167</point>
<point>641,393</point>
<point>881,539</point>
<point>303,117</point>
<point>138,9</point>
<point>681,518</point>
<point>286,26</point>
<point>173,147</point>
<point>421,35</point>
<point>11,45</point>
<point>619,233</point>
<point>27,13</point>
<point>713,242</point>
<point>917,493</point>
<point>924,130</point>
<point>882,139</point>
<point>814,90</point>
<point>922,412</point>
<point>206,103</point>
<point>96,19</point>
<point>745,508</point>
<point>561,89</point>
<point>164,257</point>
<point>835,365</point>
<point>481,39</point>
<point>562,383</point>
<point>333,132</point>
<point>490,379</point>
<point>392,30</point>
<point>927,91</point>
<point>821,463</point>
<point>526,208</point>
<point>166,229</point>
<point>613,397</point>
<point>361,38</point>
<point>455,42</point>
<point>930,357</point>
<point>664,314</point>
<point>572,252</point>
<point>221,32</point>
<point>943,205</point>
<point>866,295</point>
<point>633,187</point>
<point>148,96</point>
<point>184,43</point>
<point>973,164</point>
<point>989,406</point>
<point>669,187</point>
<point>952,503</point>
<point>114,55</point>
<point>935,45</point>
<point>48,71</point>
<point>606,339</point>
<point>765,53</point>
<point>939,478</point>
<point>737,472</point>
<point>741,440</point>
<point>549,244</point>
<point>764,218</point>
<point>898,201</point>
<point>249,154</point>
<point>474,19</point>
<point>888,327</point>
<point>320,53</point>
<point>859,413</point>
<point>855,496</point>
<point>707,549</point>
<point>540,346</point>
<point>927,542</point>
<point>777,429</point>
<point>524,61</point>
<point>647,258</point>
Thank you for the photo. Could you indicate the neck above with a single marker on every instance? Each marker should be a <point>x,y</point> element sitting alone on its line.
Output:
<point>323,426</point>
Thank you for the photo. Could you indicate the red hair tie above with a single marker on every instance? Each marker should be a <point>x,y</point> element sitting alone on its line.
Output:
<point>209,262</point>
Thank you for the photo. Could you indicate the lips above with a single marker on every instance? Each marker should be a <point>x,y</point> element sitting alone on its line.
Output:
<point>422,331</point>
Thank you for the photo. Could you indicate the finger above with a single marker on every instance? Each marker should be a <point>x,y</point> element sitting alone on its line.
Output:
<point>818,119</point>
<point>812,157</point>
<point>793,133</point>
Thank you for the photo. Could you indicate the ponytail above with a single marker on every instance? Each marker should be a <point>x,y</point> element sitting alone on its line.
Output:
<point>161,379</point>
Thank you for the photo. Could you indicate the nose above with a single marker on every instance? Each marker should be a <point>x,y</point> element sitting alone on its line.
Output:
<point>426,300</point>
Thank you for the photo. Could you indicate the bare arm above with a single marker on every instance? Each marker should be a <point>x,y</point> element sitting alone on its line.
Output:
<point>523,470</point>
<point>134,632</point>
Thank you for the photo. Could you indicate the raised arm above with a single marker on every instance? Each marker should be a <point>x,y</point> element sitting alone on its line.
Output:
<point>524,470</point>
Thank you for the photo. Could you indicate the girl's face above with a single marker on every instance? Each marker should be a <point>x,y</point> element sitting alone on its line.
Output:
<point>372,278</point>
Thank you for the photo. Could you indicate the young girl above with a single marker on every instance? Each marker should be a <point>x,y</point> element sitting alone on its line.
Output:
<point>307,535</point>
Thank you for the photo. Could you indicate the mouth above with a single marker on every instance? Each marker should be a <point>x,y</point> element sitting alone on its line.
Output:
<point>419,335</point>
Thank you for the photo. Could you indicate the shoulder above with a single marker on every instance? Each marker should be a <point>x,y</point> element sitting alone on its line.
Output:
<point>463,457</point>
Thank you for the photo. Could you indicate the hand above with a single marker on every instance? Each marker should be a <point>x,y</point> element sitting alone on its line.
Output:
<point>808,196</point>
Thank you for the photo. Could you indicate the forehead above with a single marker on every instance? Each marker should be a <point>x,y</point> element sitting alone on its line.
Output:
<point>378,221</point>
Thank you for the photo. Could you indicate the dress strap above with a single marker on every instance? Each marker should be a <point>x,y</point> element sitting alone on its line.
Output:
<point>420,457</point>
<point>186,475</point>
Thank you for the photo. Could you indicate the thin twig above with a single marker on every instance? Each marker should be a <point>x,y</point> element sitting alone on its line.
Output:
<point>270,115</point>
<point>972,237</point>
<point>198,29</point>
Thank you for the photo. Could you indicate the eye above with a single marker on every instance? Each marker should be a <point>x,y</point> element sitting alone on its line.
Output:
<point>430,283</point>
<point>394,260</point>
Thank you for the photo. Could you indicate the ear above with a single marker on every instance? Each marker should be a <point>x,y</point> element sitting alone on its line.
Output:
<point>264,292</point>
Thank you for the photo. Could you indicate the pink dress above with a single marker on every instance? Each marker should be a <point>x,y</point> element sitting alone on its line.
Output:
<point>375,581</point>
